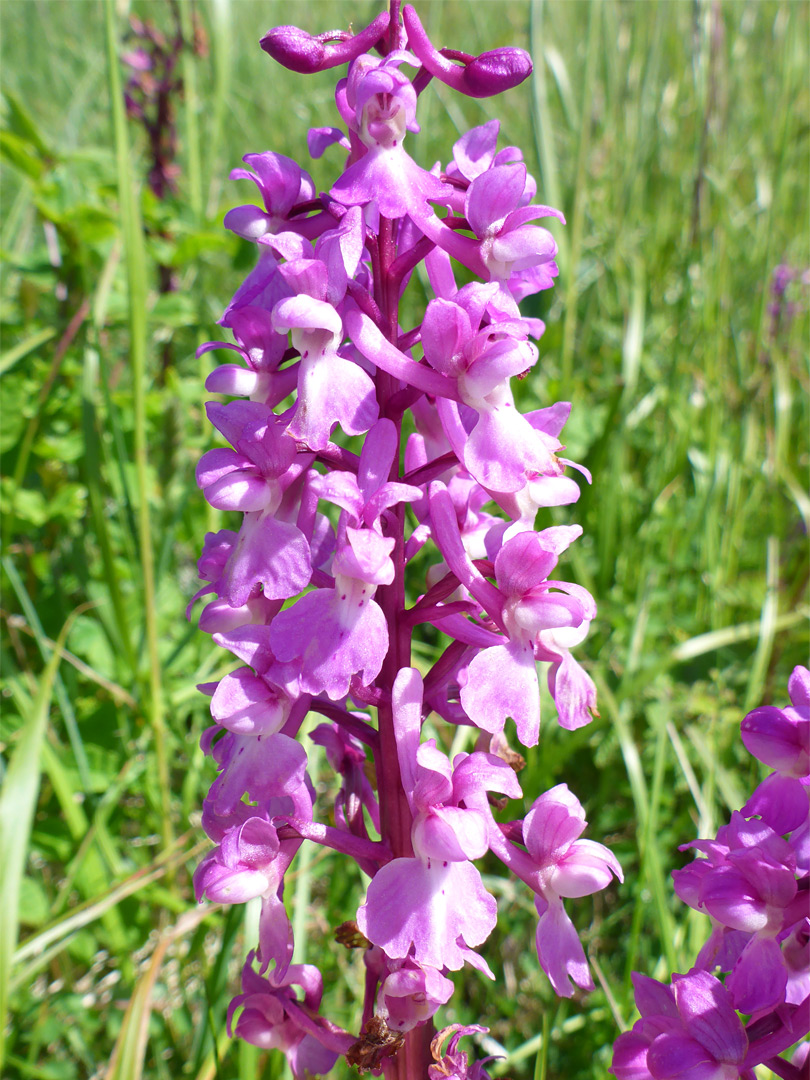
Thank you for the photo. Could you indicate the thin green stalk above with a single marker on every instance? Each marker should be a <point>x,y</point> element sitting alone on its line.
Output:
<point>543,128</point>
<point>222,52</point>
<point>135,257</point>
<point>767,630</point>
<point>95,493</point>
<point>191,112</point>
<point>541,1061</point>
<point>569,325</point>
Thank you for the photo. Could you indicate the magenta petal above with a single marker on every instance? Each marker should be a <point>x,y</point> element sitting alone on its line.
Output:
<point>770,735</point>
<point>730,898</point>
<point>332,390</point>
<point>268,551</point>
<point>377,456</point>
<point>275,936</point>
<point>523,562</point>
<point>559,949</point>
<point>502,682</point>
<point>407,708</point>
<point>573,691</point>
<point>351,638</point>
<point>799,687</point>
<point>652,997</point>
<point>240,489</point>
<point>585,868</point>
<point>221,885</point>
<point>524,246</point>
<point>708,1015</point>
<point>554,822</point>
<point>445,331</point>
<point>428,907</point>
<point>215,464</point>
<point>630,1057</point>
<point>450,833</point>
<point>251,643</point>
<point>493,195</point>
<point>391,179</point>
<point>759,978</point>
<point>232,379</point>
<point>244,703</point>
<point>413,994</point>
<point>483,772</point>
<point>475,150</point>
<point>263,766</point>
<point>503,447</point>
<point>249,222</point>
<point>677,1057</point>
<point>781,802</point>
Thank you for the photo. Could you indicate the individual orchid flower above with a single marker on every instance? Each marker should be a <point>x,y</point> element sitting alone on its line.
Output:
<point>273,1016</point>
<point>435,903</point>
<point>354,635</point>
<point>526,605</point>
<point>781,738</point>
<point>331,389</point>
<point>567,866</point>
<point>253,477</point>
<point>748,884</point>
<point>282,184</point>
<point>380,108</point>
<point>689,1030</point>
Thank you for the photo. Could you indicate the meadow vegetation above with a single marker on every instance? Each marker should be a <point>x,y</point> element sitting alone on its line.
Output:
<point>674,137</point>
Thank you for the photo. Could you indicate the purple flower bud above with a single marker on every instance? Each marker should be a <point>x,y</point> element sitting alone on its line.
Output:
<point>481,76</point>
<point>299,51</point>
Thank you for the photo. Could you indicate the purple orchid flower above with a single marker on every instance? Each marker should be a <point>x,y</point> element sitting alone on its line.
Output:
<point>781,738</point>
<point>451,1062</point>
<point>274,1017</point>
<point>688,1030</point>
<point>435,902</point>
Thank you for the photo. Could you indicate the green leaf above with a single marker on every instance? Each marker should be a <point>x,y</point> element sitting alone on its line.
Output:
<point>22,124</point>
<point>11,356</point>
<point>16,151</point>
<point>18,800</point>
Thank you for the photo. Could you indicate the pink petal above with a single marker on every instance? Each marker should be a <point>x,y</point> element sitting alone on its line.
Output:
<point>244,703</point>
<point>428,907</point>
<point>559,949</point>
<point>502,682</point>
<point>759,979</point>
<point>493,195</point>
<point>351,639</point>
<point>268,551</point>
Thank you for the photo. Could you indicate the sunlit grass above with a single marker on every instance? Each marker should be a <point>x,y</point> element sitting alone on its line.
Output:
<point>671,135</point>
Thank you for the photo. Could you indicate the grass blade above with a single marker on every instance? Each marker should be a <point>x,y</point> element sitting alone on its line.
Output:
<point>135,259</point>
<point>17,804</point>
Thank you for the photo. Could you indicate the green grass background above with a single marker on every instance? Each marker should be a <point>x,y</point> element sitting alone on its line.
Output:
<point>674,136</point>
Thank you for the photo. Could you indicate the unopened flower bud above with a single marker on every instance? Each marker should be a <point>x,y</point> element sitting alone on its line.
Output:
<point>299,51</point>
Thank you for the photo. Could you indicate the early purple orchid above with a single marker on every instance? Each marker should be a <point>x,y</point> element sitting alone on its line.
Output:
<point>316,592</point>
<point>753,883</point>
